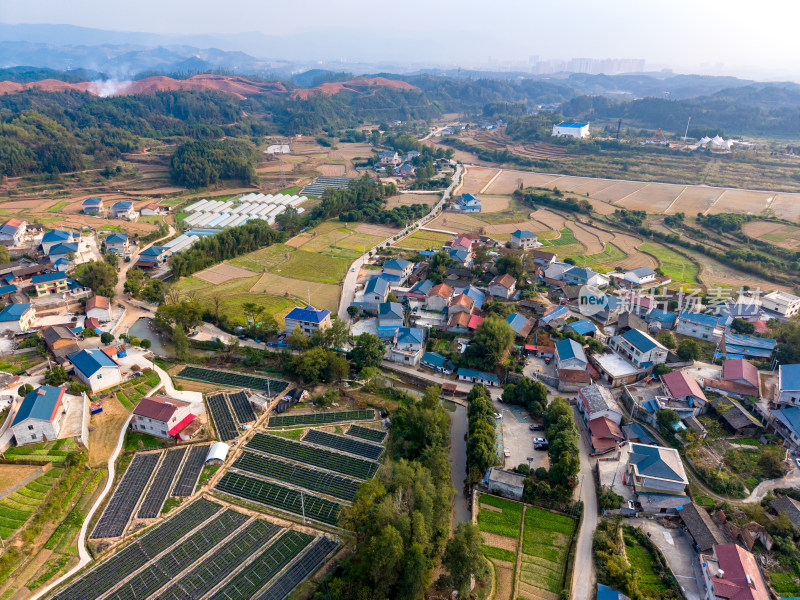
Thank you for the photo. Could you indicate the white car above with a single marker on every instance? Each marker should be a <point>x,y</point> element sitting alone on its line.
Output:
<point>797,460</point>
<point>507,452</point>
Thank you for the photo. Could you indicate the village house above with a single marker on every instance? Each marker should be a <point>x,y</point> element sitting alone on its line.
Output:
<point>570,355</point>
<point>118,244</point>
<point>152,257</point>
<point>701,527</point>
<point>655,470</point>
<point>62,255</point>
<point>747,346</point>
<point>397,269</point>
<point>96,369</point>
<point>467,203</point>
<point>700,326</point>
<point>390,317</point>
<point>437,362</point>
<point>458,323</point>
<point>389,159</point>
<point>481,377</point>
<point>92,206</point>
<point>640,276</point>
<point>605,435</point>
<point>684,388</point>
<point>542,258</point>
<point>503,286</point>
<point>55,237</point>
<point>732,573</point>
<point>308,319</point>
<point>160,416</point>
<point>461,304</point>
<point>640,349</point>
<point>596,401</point>
<point>505,483</point>
<point>150,210</point>
<point>582,327</point>
<point>61,341</point>
<point>123,210</point>
<point>99,307</point>
<point>376,291</point>
<point>573,380</point>
<point>736,418</point>
<point>783,303</point>
<point>40,416</point>
<point>524,239</point>
<point>12,232</point>
<point>17,318</point>
<point>522,326</point>
<point>788,384</point>
<point>438,297</point>
<point>739,379</point>
<point>584,276</point>
<point>50,283</point>
<point>408,345</point>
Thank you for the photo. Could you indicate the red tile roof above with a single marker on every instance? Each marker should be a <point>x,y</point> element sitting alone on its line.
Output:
<point>98,302</point>
<point>459,319</point>
<point>506,280</point>
<point>680,385</point>
<point>738,368</point>
<point>474,321</point>
<point>14,222</point>
<point>179,426</point>
<point>91,323</point>
<point>158,408</point>
<point>462,300</point>
<point>738,566</point>
<point>443,290</point>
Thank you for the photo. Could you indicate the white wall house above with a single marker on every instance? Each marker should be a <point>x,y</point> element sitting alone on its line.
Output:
<point>573,130</point>
<point>40,416</point>
<point>309,320</point>
<point>159,416</point>
<point>99,307</point>
<point>96,369</point>
<point>783,303</point>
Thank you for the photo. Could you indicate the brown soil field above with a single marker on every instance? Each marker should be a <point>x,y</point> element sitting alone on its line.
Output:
<point>508,181</point>
<point>531,593</point>
<point>373,229</point>
<point>493,204</point>
<point>694,199</point>
<point>107,424</point>
<point>475,179</point>
<point>654,197</point>
<point>332,170</point>
<point>223,272</point>
<point>741,201</point>
<point>498,541</point>
<point>409,199</point>
<point>13,474</point>
<point>323,295</point>
<point>592,186</point>
<point>457,223</point>
<point>758,228</point>
<point>786,206</point>
<point>299,240</point>
<point>551,219</point>
<point>714,274</point>
<point>589,237</point>
<point>617,192</point>
<point>628,244</point>
<point>505,578</point>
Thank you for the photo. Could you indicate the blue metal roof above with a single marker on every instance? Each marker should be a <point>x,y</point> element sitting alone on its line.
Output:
<point>13,312</point>
<point>56,235</point>
<point>648,460</point>
<point>582,327</point>
<point>789,377</point>
<point>462,372</point>
<point>423,287</point>
<point>390,309</point>
<point>477,296</point>
<point>642,271</point>
<point>92,201</point>
<point>567,349</point>
<point>7,289</point>
<point>39,404</point>
<point>459,255</point>
<point>122,204</point>
<point>575,125</point>
<point>377,285</point>
<point>699,318</point>
<point>556,313</point>
<point>63,248</point>
<point>519,233</point>
<point>90,362</point>
<point>435,359</point>
<point>516,321</point>
<point>606,593</point>
<point>789,416</point>
<point>116,238</point>
<point>396,263</point>
<point>308,314</point>
<point>410,335</point>
<point>639,340</point>
<point>750,341</point>
<point>47,278</point>
<point>153,251</point>
<point>661,316</point>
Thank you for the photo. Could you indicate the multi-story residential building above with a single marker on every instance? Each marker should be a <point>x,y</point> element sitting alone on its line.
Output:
<point>308,319</point>
<point>640,349</point>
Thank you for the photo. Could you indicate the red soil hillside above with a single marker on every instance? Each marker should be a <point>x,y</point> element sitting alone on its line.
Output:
<point>358,85</point>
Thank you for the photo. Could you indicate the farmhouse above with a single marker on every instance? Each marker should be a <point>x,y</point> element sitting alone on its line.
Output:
<point>739,379</point>
<point>573,130</point>
<point>699,325</point>
<point>570,355</point>
<point>732,573</point>
<point>61,341</point>
<point>92,206</point>
<point>408,345</point>
<point>640,349</point>
<point>605,435</point>
<point>473,376</point>
<point>786,421</point>
<point>467,203</point>
<point>161,416</point>
<point>152,257</point>
<point>99,307</point>
<point>397,269</point>
<point>505,483</point>
<point>524,239</point>
<point>150,210</point>
<point>50,283</point>
<point>308,319</point>
<point>458,323</point>
<point>685,388</point>
<point>17,318</point>
<point>461,304</point>
<point>582,327</point>
<point>736,418</point>
<point>656,470</point>
<point>390,317</point>
<point>572,380</point>
<point>584,276</point>
<point>785,304</point>
<point>596,401</point>
<point>788,384</point>
<point>12,231</point>
<point>438,297</point>
<point>790,506</point>
<point>437,362</point>
<point>521,326</point>
<point>123,210</point>
<point>389,159</point>
<point>376,291</point>
<point>747,346</point>
<point>118,244</point>
<point>701,527</point>
<point>640,276</point>
<point>40,416</point>
<point>503,286</point>
<point>542,258</point>
<point>96,369</point>
<point>55,237</point>
<point>554,315</point>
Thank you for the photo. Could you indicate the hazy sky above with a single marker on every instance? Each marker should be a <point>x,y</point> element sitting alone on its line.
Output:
<point>684,34</point>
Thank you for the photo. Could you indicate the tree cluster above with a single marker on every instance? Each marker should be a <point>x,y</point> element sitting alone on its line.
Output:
<point>490,344</point>
<point>206,162</point>
<point>528,393</point>
<point>481,453</point>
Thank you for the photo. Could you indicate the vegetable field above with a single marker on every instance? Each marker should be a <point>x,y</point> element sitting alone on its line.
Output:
<point>234,380</point>
<point>322,418</point>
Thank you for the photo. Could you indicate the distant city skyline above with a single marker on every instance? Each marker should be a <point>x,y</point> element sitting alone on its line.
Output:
<point>709,37</point>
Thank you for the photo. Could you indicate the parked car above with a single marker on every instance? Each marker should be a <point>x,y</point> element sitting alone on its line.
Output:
<point>507,452</point>
<point>498,416</point>
<point>544,446</point>
<point>547,360</point>
<point>536,427</point>
<point>797,460</point>
<point>539,441</point>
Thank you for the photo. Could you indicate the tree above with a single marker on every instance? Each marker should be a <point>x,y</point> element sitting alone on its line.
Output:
<point>311,365</point>
<point>55,375</point>
<point>438,266</point>
<point>134,341</point>
<point>106,337</point>
<point>145,343</point>
<point>78,387</point>
<point>252,312</point>
<point>368,375</point>
<point>297,339</point>
<point>185,315</point>
<point>181,343</point>
<point>661,369</point>
<point>668,418</point>
<point>528,393</point>
<point>100,276</point>
<point>4,256</point>
<point>689,349</point>
<point>391,297</point>
<point>771,462</point>
<point>24,390</point>
<point>338,367</point>
<point>511,264</point>
<point>88,332</point>
<point>368,351</point>
<point>352,311</point>
<point>337,335</point>
<point>463,557</point>
<point>742,326</point>
<point>491,342</point>
<point>666,339</point>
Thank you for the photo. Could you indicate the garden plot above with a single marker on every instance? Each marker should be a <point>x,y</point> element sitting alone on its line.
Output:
<point>321,418</point>
<point>546,541</point>
<point>381,231</point>
<point>456,222</point>
<point>499,521</point>
<point>424,240</point>
<point>780,234</point>
<point>343,444</point>
<point>162,484</point>
<point>508,181</point>
<point>786,206</point>
<point>190,471</point>
<point>223,272</point>
<point>17,507</point>
<point>367,433</point>
<point>233,380</point>
<point>676,266</point>
<point>408,200</point>
<point>223,417</point>
<point>323,295</point>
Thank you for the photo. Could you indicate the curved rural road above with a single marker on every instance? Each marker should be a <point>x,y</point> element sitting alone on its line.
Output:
<point>351,278</point>
<point>83,554</point>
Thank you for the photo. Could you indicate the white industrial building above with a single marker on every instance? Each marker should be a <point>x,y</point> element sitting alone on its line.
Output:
<point>573,130</point>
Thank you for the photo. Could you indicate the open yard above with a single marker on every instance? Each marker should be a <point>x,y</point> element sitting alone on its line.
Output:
<point>645,564</point>
<point>107,426</point>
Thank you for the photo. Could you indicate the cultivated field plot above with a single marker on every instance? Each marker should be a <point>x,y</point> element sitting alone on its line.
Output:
<point>162,484</point>
<point>456,222</point>
<point>322,418</point>
<point>786,206</point>
<point>305,477</point>
<point>780,234</point>
<point>740,201</point>
<point>254,576</point>
<point>409,199</point>
<point>311,455</point>
<point>424,240</point>
<point>223,272</point>
<point>234,380</point>
<point>190,473</point>
<point>475,179</point>
<point>676,266</point>
<point>264,258</point>
<point>653,197</point>
<point>343,444</point>
<point>17,507</point>
<point>694,199</point>
<point>102,578</point>
<point>332,170</point>
<point>209,572</point>
<point>304,566</point>
<point>316,266</point>
<point>323,295</point>
<point>242,407</point>
<point>120,508</point>
<point>546,540</point>
<point>367,433</point>
<point>499,521</point>
<point>279,497</point>
<point>381,231</point>
<point>222,417</point>
<point>508,181</point>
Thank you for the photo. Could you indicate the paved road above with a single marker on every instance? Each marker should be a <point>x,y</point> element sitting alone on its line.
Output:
<point>351,278</point>
<point>583,574</point>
